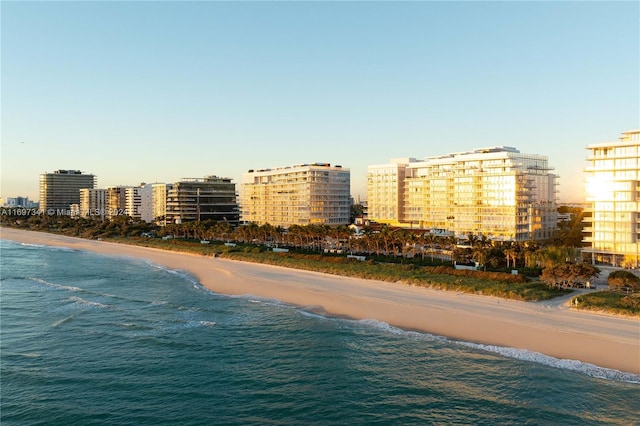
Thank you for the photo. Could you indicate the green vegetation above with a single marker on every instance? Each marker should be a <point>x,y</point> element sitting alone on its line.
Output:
<point>569,234</point>
<point>609,302</point>
<point>568,274</point>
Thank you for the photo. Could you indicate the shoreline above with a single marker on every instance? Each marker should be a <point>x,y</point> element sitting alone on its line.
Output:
<point>547,327</point>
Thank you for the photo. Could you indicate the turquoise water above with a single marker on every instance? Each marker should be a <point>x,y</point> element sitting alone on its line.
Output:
<point>87,339</point>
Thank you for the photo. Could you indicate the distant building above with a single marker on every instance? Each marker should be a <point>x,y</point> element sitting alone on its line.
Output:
<point>297,195</point>
<point>613,191</point>
<point>92,203</point>
<point>160,192</point>
<point>133,201</point>
<point>497,192</point>
<point>116,201</point>
<point>139,202</point>
<point>211,198</point>
<point>60,189</point>
<point>18,202</point>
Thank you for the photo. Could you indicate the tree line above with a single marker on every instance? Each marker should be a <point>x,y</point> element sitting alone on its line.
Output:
<point>559,266</point>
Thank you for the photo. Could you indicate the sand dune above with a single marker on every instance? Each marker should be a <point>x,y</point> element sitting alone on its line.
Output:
<point>548,327</point>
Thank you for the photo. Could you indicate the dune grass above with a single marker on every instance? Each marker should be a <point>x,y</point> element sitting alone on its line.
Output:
<point>610,302</point>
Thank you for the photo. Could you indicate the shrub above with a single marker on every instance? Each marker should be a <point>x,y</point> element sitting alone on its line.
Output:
<point>620,279</point>
<point>632,301</point>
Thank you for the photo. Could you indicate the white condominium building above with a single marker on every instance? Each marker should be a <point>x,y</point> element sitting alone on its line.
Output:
<point>613,190</point>
<point>297,195</point>
<point>385,190</point>
<point>497,192</point>
<point>139,202</point>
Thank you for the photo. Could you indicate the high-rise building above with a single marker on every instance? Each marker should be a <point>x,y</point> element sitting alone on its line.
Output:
<point>160,192</point>
<point>613,191</point>
<point>212,198</point>
<point>116,201</point>
<point>385,190</point>
<point>139,202</point>
<point>92,203</point>
<point>496,192</point>
<point>60,189</point>
<point>297,195</point>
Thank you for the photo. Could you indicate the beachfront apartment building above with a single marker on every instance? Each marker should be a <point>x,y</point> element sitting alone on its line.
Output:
<point>612,231</point>
<point>139,202</point>
<point>385,190</point>
<point>60,189</point>
<point>199,199</point>
<point>93,203</point>
<point>496,192</point>
<point>116,201</point>
<point>160,192</point>
<point>303,194</point>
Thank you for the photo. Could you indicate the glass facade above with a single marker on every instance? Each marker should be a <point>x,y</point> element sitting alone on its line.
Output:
<point>211,198</point>
<point>385,194</point>
<point>497,192</point>
<point>612,231</point>
<point>60,189</point>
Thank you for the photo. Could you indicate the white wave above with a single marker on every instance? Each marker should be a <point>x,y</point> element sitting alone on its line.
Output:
<point>33,245</point>
<point>61,321</point>
<point>514,353</point>
<point>313,313</point>
<point>564,364</point>
<point>207,323</point>
<point>251,298</point>
<point>81,301</point>
<point>181,274</point>
<point>399,331</point>
<point>53,248</point>
<point>188,308</point>
<point>519,354</point>
<point>23,354</point>
<point>57,286</point>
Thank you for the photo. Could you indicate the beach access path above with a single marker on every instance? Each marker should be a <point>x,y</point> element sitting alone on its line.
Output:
<point>550,327</point>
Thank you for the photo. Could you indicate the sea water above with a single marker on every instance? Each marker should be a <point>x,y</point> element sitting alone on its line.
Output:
<point>88,339</point>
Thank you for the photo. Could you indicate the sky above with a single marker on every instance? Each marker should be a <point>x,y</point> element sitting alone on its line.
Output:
<point>159,91</point>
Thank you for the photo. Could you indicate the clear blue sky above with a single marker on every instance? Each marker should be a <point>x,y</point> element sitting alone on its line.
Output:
<point>158,91</point>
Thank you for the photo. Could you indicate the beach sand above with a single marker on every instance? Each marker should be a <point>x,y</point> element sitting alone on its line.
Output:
<point>550,327</point>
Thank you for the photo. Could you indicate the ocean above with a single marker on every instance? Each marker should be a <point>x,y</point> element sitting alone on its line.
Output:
<point>92,340</point>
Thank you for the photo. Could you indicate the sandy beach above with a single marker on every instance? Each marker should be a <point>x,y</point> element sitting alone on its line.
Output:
<point>550,327</point>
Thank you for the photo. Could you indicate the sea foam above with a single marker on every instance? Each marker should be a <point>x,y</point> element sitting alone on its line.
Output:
<point>52,248</point>
<point>515,353</point>
<point>53,285</point>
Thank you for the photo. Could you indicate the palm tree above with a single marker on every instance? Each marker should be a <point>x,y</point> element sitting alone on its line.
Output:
<point>511,254</point>
<point>480,254</point>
